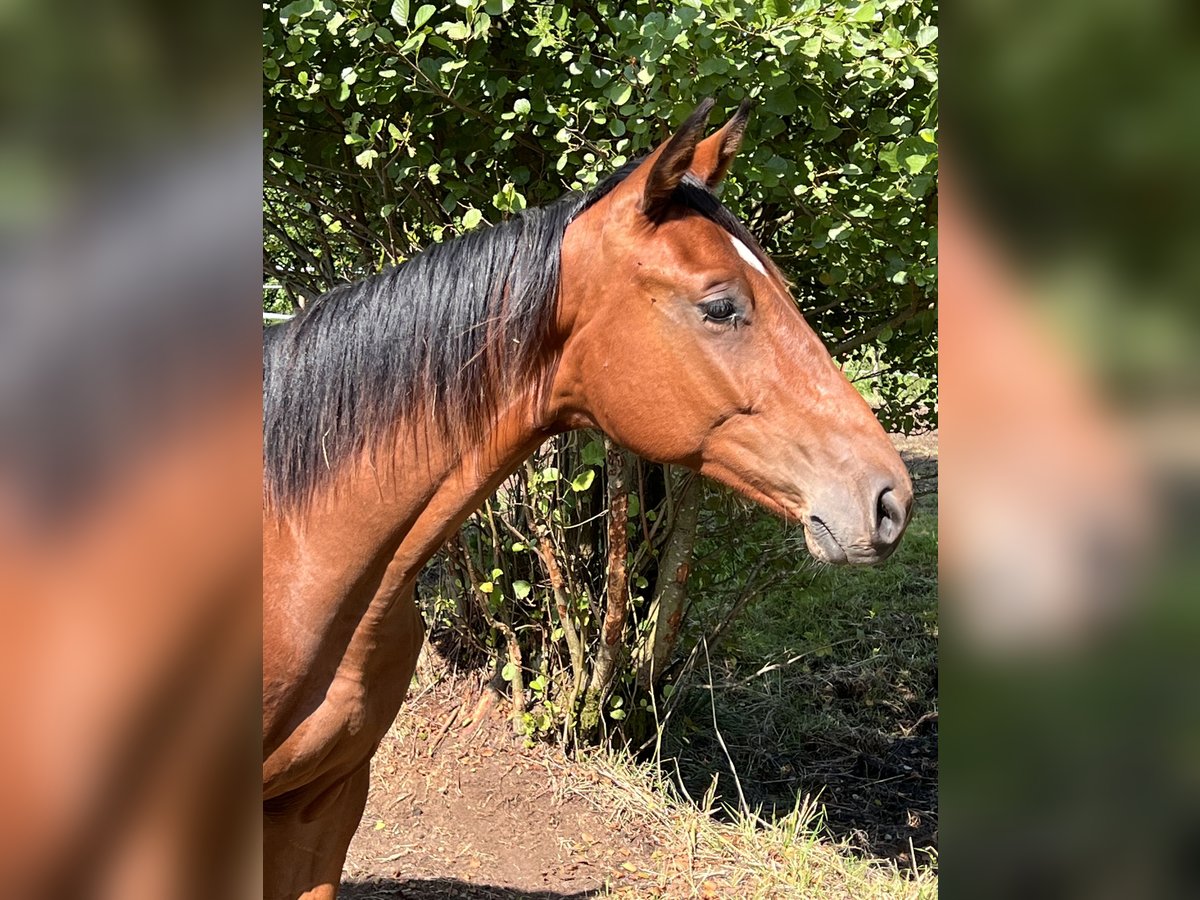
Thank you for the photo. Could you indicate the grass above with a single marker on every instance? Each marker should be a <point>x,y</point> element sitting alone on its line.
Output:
<point>703,853</point>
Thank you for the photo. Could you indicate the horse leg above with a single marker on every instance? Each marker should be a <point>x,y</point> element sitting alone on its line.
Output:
<point>304,846</point>
<point>307,830</point>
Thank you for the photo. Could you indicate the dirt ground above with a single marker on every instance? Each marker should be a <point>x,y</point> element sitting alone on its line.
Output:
<point>460,809</point>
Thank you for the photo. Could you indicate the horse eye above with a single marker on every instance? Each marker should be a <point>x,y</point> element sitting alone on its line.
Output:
<point>719,310</point>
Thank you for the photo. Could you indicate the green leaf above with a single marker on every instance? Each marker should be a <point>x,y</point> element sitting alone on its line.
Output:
<point>888,157</point>
<point>620,93</point>
<point>915,162</point>
<point>471,218</point>
<point>400,12</point>
<point>927,35</point>
<point>865,13</point>
<point>300,9</point>
<point>487,587</point>
<point>521,589</point>
<point>781,102</point>
<point>508,198</point>
<point>583,480</point>
<point>366,158</point>
<point>774,9</point>
<point>509,672</point>
<point>550,473</point>
<point>423,15</point>
<point>521,107</point>
<point>592,453</point>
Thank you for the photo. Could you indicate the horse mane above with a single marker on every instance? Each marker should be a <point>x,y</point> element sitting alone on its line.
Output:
<point>451,331</point>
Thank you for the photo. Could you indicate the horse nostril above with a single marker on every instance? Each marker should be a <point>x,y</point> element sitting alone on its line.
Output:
<point>890,517</point>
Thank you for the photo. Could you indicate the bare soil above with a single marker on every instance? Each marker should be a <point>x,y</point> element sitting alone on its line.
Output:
<point>462,810</point>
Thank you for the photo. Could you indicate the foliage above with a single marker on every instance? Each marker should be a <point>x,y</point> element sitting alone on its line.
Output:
<point>389,126</point>
<point>533,566</point>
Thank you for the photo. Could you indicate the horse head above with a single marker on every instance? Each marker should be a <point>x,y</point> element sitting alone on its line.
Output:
<point>680,339</point>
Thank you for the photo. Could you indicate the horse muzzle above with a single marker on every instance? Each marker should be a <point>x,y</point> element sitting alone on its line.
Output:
<point>856,530</point>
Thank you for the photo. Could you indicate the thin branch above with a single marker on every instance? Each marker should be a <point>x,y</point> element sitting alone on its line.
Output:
<point>873,332</point>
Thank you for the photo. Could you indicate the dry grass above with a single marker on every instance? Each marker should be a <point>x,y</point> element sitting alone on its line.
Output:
<point>703,854</point>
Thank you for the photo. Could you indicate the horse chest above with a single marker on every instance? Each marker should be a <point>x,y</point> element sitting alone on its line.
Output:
<point>349,715</point>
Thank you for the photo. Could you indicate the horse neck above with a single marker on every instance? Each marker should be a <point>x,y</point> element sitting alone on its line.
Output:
<point>439,486</point>
<point>369,533</point>
<point>337,579</point>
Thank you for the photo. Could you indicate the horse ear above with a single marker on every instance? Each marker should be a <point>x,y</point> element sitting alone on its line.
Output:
<point>670,162</point>
<point>714,155</point>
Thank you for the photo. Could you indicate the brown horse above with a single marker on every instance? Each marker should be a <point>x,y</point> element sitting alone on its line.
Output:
<point>393,407</point>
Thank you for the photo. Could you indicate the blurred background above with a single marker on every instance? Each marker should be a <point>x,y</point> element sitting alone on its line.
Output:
<point>129,449</point>
<point>1071,449</point>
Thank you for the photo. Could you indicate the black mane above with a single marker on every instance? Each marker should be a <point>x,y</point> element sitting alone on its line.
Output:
<point>450,331</point>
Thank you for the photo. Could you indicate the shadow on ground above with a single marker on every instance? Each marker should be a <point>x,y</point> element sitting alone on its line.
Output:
<point>445,889</point>
<point>878,791</point>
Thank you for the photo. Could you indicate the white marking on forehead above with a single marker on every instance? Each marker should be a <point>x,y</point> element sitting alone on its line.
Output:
<point>745,253</point>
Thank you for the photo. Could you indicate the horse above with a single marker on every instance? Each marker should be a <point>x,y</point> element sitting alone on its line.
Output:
<point>394,406</point>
